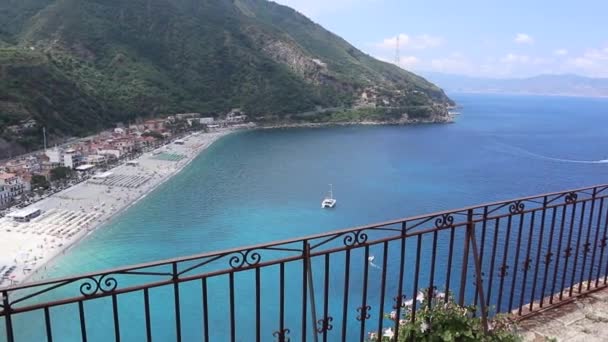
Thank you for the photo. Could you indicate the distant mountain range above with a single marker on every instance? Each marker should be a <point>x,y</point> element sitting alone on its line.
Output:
<point>566,84</point>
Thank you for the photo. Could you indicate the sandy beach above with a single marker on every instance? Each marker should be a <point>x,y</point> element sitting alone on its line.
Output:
<point>69,216</point>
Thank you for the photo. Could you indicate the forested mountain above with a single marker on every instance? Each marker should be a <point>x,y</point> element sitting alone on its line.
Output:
<point>76,66</point>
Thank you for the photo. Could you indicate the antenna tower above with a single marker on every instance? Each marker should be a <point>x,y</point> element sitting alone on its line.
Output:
<point>397,53</point>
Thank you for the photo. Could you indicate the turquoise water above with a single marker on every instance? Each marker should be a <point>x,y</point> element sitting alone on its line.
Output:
<point>260,186</point>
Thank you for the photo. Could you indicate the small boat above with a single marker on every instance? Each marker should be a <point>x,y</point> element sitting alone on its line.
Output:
<point>329,202</point>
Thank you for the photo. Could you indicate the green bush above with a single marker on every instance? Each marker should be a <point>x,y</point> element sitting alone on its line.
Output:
<point>440,318</point>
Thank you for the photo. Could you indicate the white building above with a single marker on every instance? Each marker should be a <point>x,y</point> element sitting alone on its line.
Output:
<point>54,156</point>
<point>25,215</point>
<point>5,197</point>
<point>12,184</point>
<point>96,159</point>
<point>110,152</point>
<point>206,121</point>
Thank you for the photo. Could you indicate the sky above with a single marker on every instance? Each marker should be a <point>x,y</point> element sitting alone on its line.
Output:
<point>482,38</point>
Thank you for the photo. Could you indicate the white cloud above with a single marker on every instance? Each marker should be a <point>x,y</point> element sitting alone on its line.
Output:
<point>594,62</point>
<point>455,63</point>
<point>313,8</point>
<point>560,52</point>
<point>419,42</point>
<point>514,58</point>
<point>522,38</point>
<point>407,62</point>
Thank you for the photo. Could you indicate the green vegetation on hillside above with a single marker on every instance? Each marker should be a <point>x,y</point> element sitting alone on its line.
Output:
<point>76,66</point>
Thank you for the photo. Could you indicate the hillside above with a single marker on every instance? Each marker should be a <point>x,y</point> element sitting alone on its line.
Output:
<point>76,66</point>
<point>566,85</point>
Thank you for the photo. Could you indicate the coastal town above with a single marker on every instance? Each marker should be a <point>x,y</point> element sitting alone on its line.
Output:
<point>52,198</point>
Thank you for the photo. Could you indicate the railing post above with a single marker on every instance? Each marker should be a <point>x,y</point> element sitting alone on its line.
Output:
<point>311,288</point>
<point>478,273</point>
<point>465,259</point>
<point>7,317</point>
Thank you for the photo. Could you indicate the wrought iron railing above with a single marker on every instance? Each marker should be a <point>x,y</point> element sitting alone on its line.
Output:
<point>521,256</point>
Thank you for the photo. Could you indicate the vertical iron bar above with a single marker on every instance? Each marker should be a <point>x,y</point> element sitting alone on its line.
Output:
<point>595,243</point>
<point>491,275</point>
<point>83,328</point>
<point>326,296</point>
<point>416,275</point>
<point>505,259</point>
<point>477,262</point>
<point>7,317</point>
<point>115,314</point>
<point>578,243</point>
<point>258,330</point>
<point>178,322</point>
<point>464,268</point>
<point>449,266</point>
<point>399,297</point>
<point>557,255</point>
<point>538,251</point>
<point>205,310</point>
<point>431,290</point>
<point>313,306</point>
<point>382,289</point>
<point>147,314</point>
<point>364,295</point>
<point>304,288</point>
<point>516,263</point>
<point>282,297</point>
<point>548,256</point>
<point>482,247</point>
<point>345,303</point>
<point>232,308</point>
<point>587,243</point>
<point>47,323</point>
<point>568,251</point>
<point>527,264</point>
<point>599,266</point>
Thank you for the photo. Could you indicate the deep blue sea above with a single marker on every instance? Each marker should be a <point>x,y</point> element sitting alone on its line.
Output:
<point>265,185</point>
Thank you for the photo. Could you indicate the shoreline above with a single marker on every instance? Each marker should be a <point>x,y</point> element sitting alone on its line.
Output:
<point>75,213</point>
<point>448,120</point>
<point>195,144</point>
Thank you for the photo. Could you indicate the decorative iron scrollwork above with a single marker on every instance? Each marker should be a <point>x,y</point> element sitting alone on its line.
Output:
<point>571,197</point>
<point>363,312</point>
<point>586,247</point>
<point>399,300</point>
<point>92,286</point>
<point>325,325</point>
<point>503,271</point>
<point>281,335</point>
<point>527,264</point>
<point>355,238</point>
<point>568,252</point>
<point>444,221</point>
<point>244,258</point>
<point>517,207</point>
<point>548,258</point>
<point>603,242</point>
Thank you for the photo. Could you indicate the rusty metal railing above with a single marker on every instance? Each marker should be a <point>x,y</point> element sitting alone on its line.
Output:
<point>521,256</point>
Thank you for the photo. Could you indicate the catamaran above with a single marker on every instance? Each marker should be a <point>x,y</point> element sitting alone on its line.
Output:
<point>329,202</point>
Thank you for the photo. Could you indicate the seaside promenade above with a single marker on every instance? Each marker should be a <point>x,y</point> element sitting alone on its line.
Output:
<point>72,214</point>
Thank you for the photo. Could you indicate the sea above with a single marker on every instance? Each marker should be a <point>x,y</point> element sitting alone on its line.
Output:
<point>260,186</point>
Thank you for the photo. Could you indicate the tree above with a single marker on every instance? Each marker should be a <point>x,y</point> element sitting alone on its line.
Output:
<point>60,173</point>
<point>154,134</point>
<point>39,181</point>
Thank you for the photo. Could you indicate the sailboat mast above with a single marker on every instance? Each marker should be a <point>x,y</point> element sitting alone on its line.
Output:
<point>331,191</point>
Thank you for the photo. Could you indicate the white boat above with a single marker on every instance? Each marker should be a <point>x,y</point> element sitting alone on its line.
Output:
<point>329,202</point>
